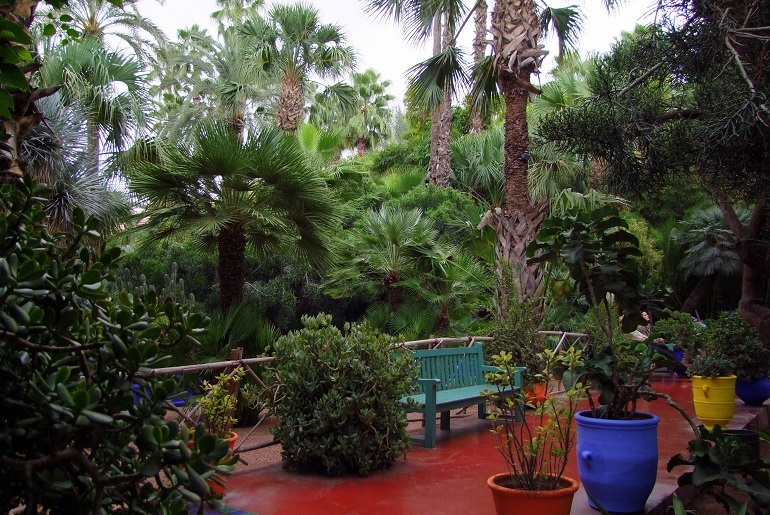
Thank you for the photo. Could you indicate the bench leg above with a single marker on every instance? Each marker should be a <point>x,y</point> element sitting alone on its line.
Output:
<point>430,428</point>
<point>445,420</point>
<point>520,410</point>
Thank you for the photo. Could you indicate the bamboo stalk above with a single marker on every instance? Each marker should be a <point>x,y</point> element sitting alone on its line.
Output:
<point>203,366</point>
<point>256,446</point>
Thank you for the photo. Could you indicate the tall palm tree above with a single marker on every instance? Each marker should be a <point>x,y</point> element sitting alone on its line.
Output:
<point>108,87</point>
<point>709,251</point>
<point>437,19</point>
<point>292,43</point>
<point>479,48</point>
<point>201,77</point>
<point>99,18</point>
<point>232,192</point>
<point>370,125</point>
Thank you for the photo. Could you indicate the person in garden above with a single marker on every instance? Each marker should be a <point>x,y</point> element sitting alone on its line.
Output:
<point>642,332</point>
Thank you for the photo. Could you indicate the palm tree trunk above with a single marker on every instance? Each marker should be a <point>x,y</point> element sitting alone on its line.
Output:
<point>698,293</point>
<point>231,245</point>
<point>479,44</point>
<point>290,104</point>
<point>753,306</point>
<point>441,118</point>
<point>361,146</point>
<point>515,27</point>
<point>92,140</point>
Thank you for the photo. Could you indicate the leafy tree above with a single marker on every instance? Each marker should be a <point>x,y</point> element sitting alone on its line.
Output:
<point>687,99</point>
<point>73,438</point>
<point>292,43</point>
<point>231,193</point>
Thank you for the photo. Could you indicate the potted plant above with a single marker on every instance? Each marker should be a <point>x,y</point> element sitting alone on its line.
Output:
<point>535,450</point>
<point>218,406</point>
<point>617,444</point>
<point>751,358</point>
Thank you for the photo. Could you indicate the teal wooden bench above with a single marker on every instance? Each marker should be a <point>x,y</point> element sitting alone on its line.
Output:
<point>450,379</point>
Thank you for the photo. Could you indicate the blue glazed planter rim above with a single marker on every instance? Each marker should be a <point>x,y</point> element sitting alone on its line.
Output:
<point>584,418</point>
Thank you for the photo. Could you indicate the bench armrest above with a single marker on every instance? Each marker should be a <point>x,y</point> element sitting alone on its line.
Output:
<point>425,381</point>
<point>517,380</point>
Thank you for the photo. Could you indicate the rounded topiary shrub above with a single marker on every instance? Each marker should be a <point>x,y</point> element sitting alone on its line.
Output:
<point>338,396</point>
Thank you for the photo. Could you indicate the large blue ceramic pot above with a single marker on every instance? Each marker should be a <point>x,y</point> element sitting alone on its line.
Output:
<point>753,392</point>
<point>617,460</point>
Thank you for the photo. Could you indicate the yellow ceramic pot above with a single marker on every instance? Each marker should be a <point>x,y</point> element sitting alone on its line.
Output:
<point>714,400</point>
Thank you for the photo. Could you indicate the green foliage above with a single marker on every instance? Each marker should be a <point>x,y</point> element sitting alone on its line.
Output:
<point>218,404</point>
<point>536,451</point>
<point>69,355</point>
<point>338,398</point>
<point>718,460</point>
<point>680,329</point>
<point>446,207</point>
<point>400,156</point>
<point>732,347</point>
<point>516,333</point>
<point>596,248</point>
<point>650,260</point>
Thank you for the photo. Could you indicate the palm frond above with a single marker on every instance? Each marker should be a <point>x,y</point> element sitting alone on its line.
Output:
<point>437,76</point>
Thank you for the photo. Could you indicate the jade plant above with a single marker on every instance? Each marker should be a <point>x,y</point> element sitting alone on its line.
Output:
<point>218,404</point>
<point>536,450</point>
<point>73,437</point>
<point>337,397</point>
<point>732,347</point>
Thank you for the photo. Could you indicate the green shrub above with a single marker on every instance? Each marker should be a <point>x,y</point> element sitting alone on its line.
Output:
<point>680,329</point>
<point>73,439</point>
<point>338,398</point>
<point>517,334</point>
<point>732,347</point>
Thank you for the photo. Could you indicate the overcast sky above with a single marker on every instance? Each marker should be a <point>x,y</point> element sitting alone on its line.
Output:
<point>381,45</point>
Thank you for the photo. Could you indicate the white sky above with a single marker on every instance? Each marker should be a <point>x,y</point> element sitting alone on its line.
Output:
<point>382,46</point>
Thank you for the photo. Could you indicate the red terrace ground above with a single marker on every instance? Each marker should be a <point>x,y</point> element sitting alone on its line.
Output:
<point>451,479</point>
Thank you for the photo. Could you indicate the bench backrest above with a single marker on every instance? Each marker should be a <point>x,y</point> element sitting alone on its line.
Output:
<point>456,367</point>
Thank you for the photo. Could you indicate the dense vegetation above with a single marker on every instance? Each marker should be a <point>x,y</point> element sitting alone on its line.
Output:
<point>229,180</point>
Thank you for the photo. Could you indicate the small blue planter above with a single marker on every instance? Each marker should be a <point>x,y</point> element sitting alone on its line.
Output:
<point>617,460</point>
<point>753,392</point>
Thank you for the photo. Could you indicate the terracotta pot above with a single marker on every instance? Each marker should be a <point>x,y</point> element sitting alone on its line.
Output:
<point>215,487</point>
<point>512,501</point>
<point>536,394</point>
<point>213,484</point>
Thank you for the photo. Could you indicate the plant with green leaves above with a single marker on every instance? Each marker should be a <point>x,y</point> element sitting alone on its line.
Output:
<point>732,347</point>
<point>679,328</point>
<point>596,248</point>
<point>218,403</point>
<point>72,434</point>
<point>537,449</point>
<point>720,460</point>
<point>337,396</point>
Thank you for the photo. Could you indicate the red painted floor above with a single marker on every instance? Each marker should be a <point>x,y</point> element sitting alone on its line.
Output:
<point>450,479</point>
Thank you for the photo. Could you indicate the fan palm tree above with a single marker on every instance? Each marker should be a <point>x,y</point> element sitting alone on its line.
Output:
<point>56,153</point>
<point>108,87</point>
<point>517,28</point>
<point>437,19</point>
<point>201,77</point>
<point>292,43</point>
<point>232,192</point>
<point>709,251</point>
<point>390,244</point>
<point>99,18</point>
<point>370,125</point>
